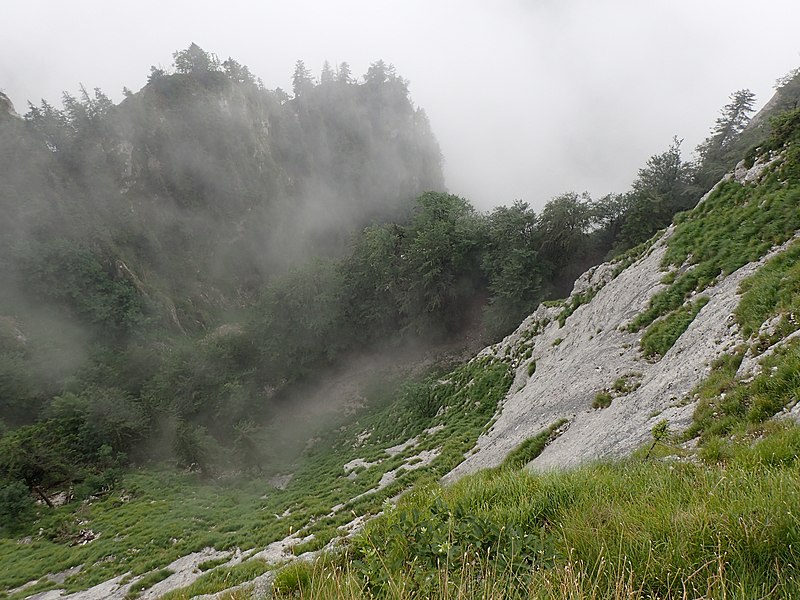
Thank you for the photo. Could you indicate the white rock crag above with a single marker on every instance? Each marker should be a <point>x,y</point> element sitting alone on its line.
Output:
<point>593,350</point>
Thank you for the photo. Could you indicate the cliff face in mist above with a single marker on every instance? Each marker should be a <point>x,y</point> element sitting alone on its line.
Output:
<point>191,193</point>
<point>6,108</point>
<point>132,224</point>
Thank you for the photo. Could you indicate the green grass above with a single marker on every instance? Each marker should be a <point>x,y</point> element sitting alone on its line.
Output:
<point>655,529</point>
<point>602,400</point>
<point>532,447</point>
<point>663,334</point>
<point>157,515</point>
<point>727,405</point>
<point>773,290</point>
<point>147,582</point>
<point>735,225</point>
<point>630,256</point>
<point>626,384</point>
<point>574,302</point>
<point>220,579</point>
<point>621,386</point>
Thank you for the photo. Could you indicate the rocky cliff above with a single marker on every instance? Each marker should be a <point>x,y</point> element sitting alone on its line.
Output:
<point>583,360</point>
<point>6,108</point>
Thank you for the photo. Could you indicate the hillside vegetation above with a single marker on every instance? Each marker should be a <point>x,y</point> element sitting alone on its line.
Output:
<point>709,512</point>
<point>189,272</point>
<point>179,265</point>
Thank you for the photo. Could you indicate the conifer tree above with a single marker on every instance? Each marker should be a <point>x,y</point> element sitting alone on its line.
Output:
<point>729,125</point>
<point>344,74</point>
<point>301,79</point>
<point>327,75</point>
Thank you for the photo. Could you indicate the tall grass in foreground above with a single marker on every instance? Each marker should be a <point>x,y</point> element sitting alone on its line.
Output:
<point>633,529</point>
<point>570,581</point>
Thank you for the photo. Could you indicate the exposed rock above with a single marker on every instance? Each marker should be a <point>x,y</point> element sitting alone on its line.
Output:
<point>742,174</point>
<point>7,109</point>
<point>395,450</point>
<point>281,482</point>
<point>185,572</point>
<point>84,537</point>
<point>589,353</point>
<point>357,463</point>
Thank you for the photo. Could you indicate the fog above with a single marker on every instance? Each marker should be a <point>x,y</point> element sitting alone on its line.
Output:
<point>528,99</point>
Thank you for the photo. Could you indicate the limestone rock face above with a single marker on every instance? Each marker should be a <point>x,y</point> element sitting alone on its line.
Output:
<point>590,353</point>
<point>7,108</point>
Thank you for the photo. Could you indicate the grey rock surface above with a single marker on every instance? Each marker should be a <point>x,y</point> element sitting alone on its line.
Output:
<point>589,353</point>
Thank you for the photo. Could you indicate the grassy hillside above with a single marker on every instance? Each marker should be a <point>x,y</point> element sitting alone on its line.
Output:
<point>152,517</point>
<point>154,347</point>
<point>709,512</point>
<point>632,529</point>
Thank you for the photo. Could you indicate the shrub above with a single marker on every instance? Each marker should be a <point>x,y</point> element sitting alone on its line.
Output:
<point>602,400</point>
<point>715,450</point>
<point>532,447</point>
<point>422,399</point>
<point>293,578</point>
<point>147,582</point>
<point>16,505</point>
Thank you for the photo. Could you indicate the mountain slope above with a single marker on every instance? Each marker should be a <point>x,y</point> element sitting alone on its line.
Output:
<point>204,185</point>
<point>679,365</point>
<point>695,331</point>
<point>595,364</point>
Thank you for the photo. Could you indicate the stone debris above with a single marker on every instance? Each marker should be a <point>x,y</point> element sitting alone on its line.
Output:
<point>395,450</point>
<point>84,537</point>
<point>358,463</point>
<point>744,175</point>
<point>281,482</point>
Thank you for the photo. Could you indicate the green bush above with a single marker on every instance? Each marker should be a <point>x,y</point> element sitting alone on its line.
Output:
<point>602,400</point>
<point>726,404</point>
<point>774,289</point>
<point>16,505</point>
<point>292,579</point>
<point>735,225</point>
<point>147,582</point>
<point>532,447</point>
<point>87,282</point>
<point>575,302</point>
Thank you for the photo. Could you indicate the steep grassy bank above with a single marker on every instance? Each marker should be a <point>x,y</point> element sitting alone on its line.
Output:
<point>420,430</point>
<point>638,528</point>
<point>714,517</point>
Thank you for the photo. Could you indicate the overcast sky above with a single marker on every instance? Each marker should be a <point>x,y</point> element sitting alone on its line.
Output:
<point>527,98</point>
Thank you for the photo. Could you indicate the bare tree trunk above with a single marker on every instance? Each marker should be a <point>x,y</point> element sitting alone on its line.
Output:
<point>42,495</point>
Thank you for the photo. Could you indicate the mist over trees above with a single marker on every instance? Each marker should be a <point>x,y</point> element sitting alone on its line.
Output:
<point>716,151</point>
<point>128,230</point>
<point>174,264</point>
